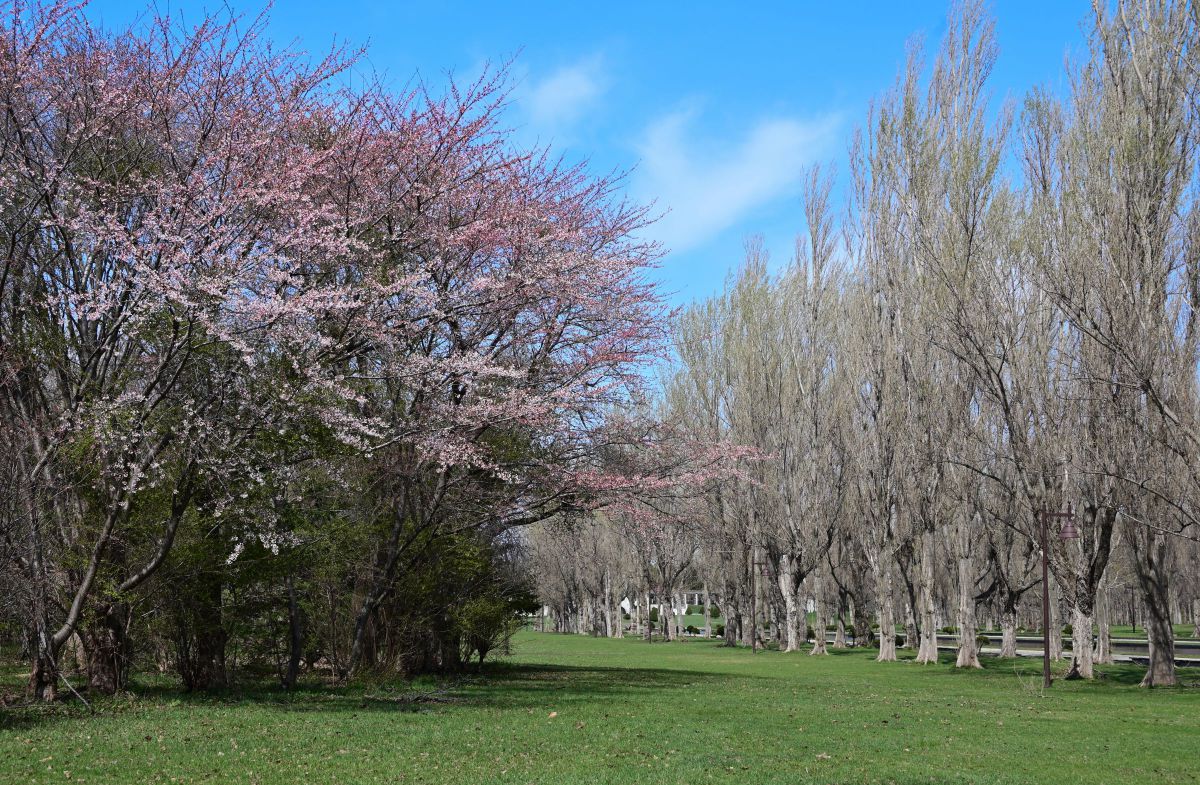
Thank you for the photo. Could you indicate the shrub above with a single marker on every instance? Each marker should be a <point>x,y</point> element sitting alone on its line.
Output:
<point>950,629</point>
<point>713,610</point>
<point>1068,629</point>
<point>654,615</point>
<point>625,616</point>
<point>810,633</point>
<point>719,630</point>
<point>692,629</point>
<point>983,640</point>
<point>831,628</point>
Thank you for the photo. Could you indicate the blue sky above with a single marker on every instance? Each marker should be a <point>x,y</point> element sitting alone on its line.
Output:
<point>713,108</point>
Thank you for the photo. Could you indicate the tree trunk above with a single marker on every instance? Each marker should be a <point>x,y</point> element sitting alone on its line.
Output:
<point>680,615</point>
<point>819,616</point>
<point>968,645</point>
<point>863,638</point>
<point>839,637</point>
<point>1104,637</point>
<point>673,618</point>
<point>910,628</point>
<point>887,613</point>
<point>295,637</point>
<point>201,636</point>
<point>106,646</point>
<point>1082,642</point>
<point>746,624</point>
<point>1056,641</point>
<point>707,613</point>
<point>1196,618</point>
<point>664,615</point>
<point>609,629</point>
<point>787,585</point>
<point>1008,632</point>
<point>648,625</point>
<point>1150,564</point>
<point>928,651</point>
<point>43,674</point>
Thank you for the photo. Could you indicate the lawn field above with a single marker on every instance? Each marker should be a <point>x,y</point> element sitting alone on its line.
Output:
<point>570,709</point>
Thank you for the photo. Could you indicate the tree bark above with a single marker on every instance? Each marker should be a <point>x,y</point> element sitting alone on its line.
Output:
<point>1104,637</point>
<point>968,644</point>
<point>609,629</point>
<point>1082,640</point>
<point>707,613</point>
<point>928,651</point>
<point>839,637</point>
<point>887,613</point>
<point>910,628</point>
<point>1008,632</point>
<point>1150,564</point>
<point>819,616</point>
<point>648,625</point>
<point>787,585</point>
<point>43,676</point>
<point>107,649</point>
<point>295,636</point>
<point>1056,641</point>
<point>200,653</point>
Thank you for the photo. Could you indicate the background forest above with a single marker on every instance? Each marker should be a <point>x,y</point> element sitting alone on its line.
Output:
<point>303,378</point>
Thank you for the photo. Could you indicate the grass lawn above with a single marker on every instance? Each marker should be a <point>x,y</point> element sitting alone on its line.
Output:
<point>570,709</point>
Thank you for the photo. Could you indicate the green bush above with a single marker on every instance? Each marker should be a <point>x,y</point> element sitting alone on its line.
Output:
<point>692,629</point>
<point>950,629</point>
<point>713,610</point>
<point>1068,629</point>
<point>983,640</point>
<point>654,615</point>
<point>831,628</point>
<point>695,610</point>
<point>719,630</point>
<point>810,633</point>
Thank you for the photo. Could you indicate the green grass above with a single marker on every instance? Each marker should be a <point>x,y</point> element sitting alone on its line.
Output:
<point>629,712</point>
<point>697,620</point>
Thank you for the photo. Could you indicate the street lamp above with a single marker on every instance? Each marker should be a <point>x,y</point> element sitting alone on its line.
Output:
<point>1068,532</point>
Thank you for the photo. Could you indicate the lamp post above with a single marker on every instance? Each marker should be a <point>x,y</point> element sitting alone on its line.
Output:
<point>1068,532</point>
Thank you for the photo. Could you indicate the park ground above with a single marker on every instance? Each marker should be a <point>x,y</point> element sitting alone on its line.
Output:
<point>573,709</point>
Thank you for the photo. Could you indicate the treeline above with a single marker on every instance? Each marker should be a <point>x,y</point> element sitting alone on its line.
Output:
<point>1005,321</point>
<point>282,362</point>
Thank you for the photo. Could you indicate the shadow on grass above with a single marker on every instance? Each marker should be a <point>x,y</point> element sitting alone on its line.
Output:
<point>499,684</point>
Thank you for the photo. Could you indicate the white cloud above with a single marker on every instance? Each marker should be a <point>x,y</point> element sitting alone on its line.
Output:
<point>563,97</point>
<point>708,185</point>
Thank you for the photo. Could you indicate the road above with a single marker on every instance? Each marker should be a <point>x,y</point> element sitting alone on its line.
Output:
<point>1187,651</point>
